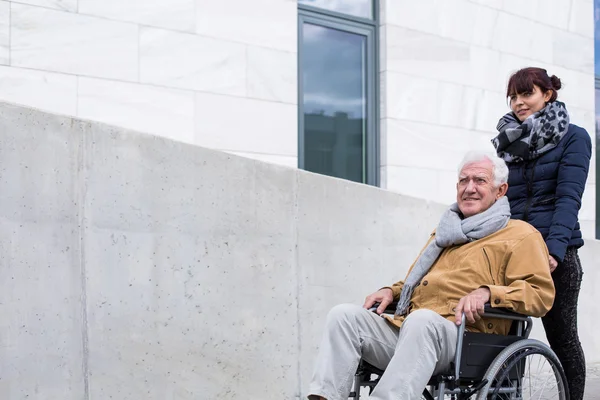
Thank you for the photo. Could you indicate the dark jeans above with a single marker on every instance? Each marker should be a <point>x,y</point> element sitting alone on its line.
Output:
<point>561,322</point>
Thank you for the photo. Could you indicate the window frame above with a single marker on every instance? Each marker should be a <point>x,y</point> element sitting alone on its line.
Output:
<point>370,30</point>
<point>340,15</point>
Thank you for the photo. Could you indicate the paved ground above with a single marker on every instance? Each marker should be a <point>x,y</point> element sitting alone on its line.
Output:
<point>592,385</point>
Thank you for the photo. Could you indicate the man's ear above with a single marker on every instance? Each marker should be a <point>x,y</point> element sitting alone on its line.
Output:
<point>502,189</point>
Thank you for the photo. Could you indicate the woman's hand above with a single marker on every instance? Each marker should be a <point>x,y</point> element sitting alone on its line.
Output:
<point>553,263</point>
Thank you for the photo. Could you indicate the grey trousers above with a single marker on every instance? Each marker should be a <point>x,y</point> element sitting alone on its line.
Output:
<point>424,346</point>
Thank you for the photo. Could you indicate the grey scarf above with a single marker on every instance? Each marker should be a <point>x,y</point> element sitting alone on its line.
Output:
<point>538,134</point>
<point>453,230</point>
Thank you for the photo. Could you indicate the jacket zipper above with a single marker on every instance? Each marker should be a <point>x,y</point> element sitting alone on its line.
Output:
<point>529,190</point>
<point>489,265</point>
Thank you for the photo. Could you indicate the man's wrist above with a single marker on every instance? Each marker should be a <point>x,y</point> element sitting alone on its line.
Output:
<point>487,293</point>
<point>388,288</point>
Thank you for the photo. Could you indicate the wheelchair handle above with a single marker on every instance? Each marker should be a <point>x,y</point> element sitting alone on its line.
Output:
<point>459,341</point>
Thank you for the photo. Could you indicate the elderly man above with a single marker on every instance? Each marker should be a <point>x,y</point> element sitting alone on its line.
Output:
<point>477,255</point>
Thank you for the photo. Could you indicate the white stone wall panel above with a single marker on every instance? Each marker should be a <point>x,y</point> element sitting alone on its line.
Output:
<point>430,146</point>
<point>522,37</point>
<point>265,23</point>
<point>421,54</point>
<point>582,18</point>
<point>187,61</point>
<point>172,14</point>
<point>286,161</point>
<point>251,125</point>
<point>418,53</point>
<point>62,5</point>
<point>493,106</point>
<point>411,98</point>
<point>272,75</point>
<point>422,183</point>
<point>497,4</point>
<point>417,15</point>
<point>65,42</point>
<point>155,110</point>
<point>47,91</point>
<point>556,13</point>
<point>570,50</point>
<point>577,87</point>
<point>4,32</point>
<point>588,206</point>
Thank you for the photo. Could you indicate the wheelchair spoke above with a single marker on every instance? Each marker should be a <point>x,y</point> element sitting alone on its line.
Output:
<point>538,379</point>
<point>545,389</point>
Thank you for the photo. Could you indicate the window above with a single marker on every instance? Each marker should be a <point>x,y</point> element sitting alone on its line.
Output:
<point>338,80</point>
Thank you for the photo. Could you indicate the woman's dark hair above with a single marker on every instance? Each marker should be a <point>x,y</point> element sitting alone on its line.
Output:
<point>523,80</point>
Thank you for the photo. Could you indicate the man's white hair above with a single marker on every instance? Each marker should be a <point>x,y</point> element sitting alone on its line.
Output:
<point>500,170</point>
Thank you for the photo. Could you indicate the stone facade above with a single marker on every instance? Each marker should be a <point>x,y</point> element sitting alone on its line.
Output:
<point>223,74</point>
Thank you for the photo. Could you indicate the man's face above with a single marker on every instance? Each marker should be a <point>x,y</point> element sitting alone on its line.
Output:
<point>475,191</point>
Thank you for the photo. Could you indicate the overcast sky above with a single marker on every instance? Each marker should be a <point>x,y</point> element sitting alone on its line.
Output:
<point>333,71</point>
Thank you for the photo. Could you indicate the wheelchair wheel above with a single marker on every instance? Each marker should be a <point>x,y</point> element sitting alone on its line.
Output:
<point>527,369</point>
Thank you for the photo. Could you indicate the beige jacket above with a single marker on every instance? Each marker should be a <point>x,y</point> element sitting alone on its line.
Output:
<point>512,263</point>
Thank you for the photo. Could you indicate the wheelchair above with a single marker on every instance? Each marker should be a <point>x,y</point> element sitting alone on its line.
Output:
<point>488,366</point>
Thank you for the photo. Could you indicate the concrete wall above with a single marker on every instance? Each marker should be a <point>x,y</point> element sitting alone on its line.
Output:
<point>133,266</point>
<point>444,69</point>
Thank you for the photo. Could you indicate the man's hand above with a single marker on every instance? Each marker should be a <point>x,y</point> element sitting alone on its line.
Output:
<point>384,296</point>
<point>472,305</point>
<point>553,263</point>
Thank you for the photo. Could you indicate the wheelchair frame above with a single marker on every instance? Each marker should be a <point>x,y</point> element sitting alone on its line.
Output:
<point>476,354</point>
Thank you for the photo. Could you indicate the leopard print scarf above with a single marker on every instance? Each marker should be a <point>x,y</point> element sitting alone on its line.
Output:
<point>538,134</point>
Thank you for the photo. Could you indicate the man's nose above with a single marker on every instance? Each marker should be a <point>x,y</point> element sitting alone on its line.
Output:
<point>470,187</point>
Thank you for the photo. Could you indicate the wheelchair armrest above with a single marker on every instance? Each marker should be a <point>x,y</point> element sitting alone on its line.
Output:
<point>489,311</point>
<point>503,313</point>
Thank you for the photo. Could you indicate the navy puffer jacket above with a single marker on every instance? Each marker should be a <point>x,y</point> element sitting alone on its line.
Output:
<point>547,191</point>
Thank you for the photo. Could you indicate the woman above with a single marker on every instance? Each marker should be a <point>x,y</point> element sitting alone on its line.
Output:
<point>548,159</point>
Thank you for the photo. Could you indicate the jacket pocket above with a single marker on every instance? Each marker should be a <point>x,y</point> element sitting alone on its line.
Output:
<point>545,200</point>
<point>488,265</point>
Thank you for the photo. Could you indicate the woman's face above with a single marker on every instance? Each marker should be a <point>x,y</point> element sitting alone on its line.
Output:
<point>528,103</point>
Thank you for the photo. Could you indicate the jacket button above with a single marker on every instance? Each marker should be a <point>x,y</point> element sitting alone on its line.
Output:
<point>490,326</point>
<point>497,301</point>
<point>425,283</point>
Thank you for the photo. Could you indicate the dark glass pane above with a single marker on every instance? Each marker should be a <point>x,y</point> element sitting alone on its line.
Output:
<point>334,98</point>
<point>358,8</point>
